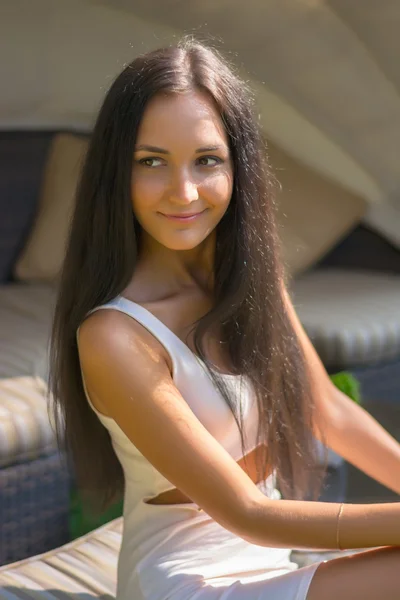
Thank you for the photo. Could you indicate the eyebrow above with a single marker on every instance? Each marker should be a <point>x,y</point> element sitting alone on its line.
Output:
<point>163,151</point>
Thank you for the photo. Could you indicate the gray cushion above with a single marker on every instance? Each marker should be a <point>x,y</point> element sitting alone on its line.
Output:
<point>352,317</point>
<point>26,432</point>
<point>26,312</point>
<point>25,322</point>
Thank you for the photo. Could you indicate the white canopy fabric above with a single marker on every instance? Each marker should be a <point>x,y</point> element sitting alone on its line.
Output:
<point>326,73</point>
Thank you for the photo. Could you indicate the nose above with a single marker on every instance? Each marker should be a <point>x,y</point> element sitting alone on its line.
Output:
<point>184,189</point>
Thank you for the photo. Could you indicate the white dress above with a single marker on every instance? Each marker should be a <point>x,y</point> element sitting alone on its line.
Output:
<point>178,552</point>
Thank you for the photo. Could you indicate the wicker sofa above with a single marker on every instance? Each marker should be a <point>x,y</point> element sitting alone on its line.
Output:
<point>349,332</point>
<point>34,482</point>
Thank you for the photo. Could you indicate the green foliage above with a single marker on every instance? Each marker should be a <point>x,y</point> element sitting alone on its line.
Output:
<point>80,519</point>
<point>347,384</point>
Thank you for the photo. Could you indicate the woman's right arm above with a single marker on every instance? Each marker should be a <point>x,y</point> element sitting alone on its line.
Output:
<point>128,378</point>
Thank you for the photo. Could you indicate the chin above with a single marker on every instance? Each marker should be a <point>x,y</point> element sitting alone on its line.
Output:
<point>176,243</point>
<point>182,245</point>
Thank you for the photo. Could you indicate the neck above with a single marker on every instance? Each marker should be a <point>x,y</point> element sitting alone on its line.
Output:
<point>179,269</point>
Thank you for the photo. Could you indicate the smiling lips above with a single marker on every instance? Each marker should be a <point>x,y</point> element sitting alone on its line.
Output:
<point>183,218</point>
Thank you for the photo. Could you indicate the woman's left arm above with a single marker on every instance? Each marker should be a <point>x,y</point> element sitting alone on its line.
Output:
<point>349,430</point>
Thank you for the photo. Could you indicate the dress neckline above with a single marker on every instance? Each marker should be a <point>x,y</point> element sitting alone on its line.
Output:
<point>154,318</point>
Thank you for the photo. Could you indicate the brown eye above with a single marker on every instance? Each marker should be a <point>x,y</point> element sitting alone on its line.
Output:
<point>145,161</point>
<point>214,158</point>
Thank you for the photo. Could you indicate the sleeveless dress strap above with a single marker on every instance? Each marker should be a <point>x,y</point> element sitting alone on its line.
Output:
<point>167,338</point>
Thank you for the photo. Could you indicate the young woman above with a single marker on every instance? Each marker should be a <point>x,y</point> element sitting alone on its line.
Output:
<point>181,372</point>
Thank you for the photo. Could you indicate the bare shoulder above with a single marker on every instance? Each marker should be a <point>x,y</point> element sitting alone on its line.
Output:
<point>111,340</point>
<point>111,332</point>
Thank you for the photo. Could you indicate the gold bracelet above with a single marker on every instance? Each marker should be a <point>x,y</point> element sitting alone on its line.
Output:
<point>337,526</point>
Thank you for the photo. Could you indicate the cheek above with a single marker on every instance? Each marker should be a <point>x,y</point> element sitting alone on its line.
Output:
<point>145,191</point>
<point>218,189</point>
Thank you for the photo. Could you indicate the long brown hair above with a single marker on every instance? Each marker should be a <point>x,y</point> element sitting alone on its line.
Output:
<point>249,309</point>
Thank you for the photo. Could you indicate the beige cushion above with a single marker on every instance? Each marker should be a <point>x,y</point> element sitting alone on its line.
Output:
<point>84,568</point>
<point>42,256</point>
<point>313,212</point>
<point>25,429</point>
